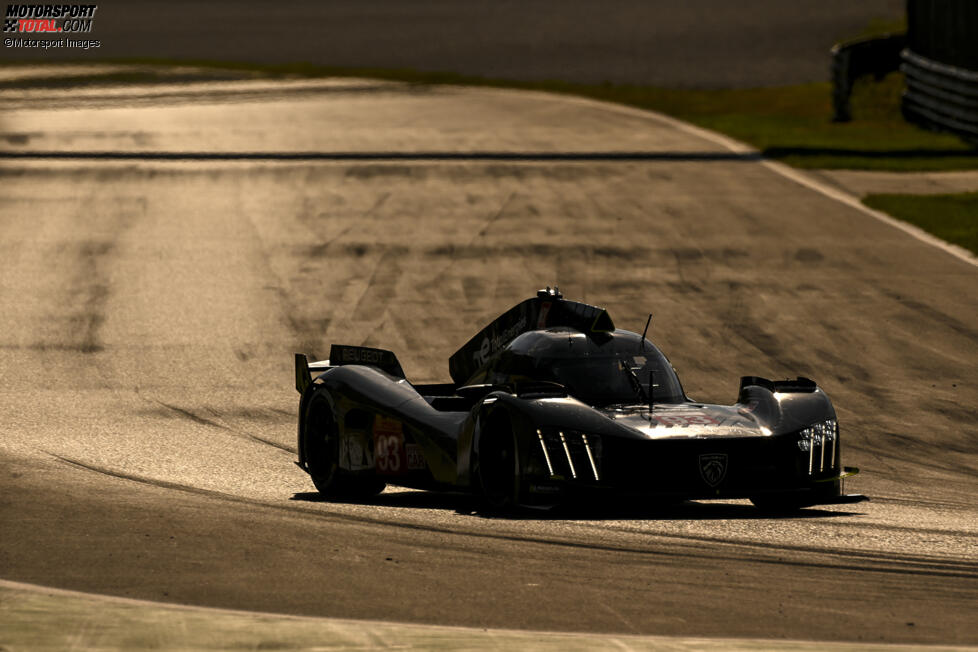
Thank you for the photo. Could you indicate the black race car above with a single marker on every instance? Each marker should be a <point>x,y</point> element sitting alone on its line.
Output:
<point>549,403</point>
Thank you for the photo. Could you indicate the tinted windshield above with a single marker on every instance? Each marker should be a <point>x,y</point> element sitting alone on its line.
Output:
<point>596,378</point>
<point>611,380</point>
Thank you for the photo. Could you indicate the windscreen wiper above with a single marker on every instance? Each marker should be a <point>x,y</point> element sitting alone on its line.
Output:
<point>635,383</point>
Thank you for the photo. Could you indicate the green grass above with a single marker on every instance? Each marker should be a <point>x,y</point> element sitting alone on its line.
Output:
<point>952,218</point>
<point>792,123</point>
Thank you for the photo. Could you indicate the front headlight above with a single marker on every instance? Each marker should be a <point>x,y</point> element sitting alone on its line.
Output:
<point>817,434</point>
<point>819,441</point>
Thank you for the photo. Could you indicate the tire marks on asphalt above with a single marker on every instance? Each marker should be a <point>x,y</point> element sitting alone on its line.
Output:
<point>204,421</point>
<point>655,544</point>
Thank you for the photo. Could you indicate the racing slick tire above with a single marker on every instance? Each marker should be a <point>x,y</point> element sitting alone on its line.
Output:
<point>321,448</point>
<point>498,467</point>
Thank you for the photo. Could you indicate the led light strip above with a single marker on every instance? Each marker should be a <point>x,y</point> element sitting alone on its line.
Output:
<point>811,453</point>
<point>546,455</point>
<point>590,457</point>
<point>821,438</point>
<point>563,440</point>
<point>835,435</point>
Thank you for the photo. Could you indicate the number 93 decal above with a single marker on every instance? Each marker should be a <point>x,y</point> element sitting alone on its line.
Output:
<point>389,452</point>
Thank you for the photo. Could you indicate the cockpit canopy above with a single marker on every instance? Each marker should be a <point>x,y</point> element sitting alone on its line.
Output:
<point>609,369</point>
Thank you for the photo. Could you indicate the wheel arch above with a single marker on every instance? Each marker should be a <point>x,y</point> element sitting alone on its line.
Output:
<point>502,415</point>
<point>504,418</point>
<point>312,393</point>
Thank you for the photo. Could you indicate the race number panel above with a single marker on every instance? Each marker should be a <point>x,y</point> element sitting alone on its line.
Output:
<point>389,453</point>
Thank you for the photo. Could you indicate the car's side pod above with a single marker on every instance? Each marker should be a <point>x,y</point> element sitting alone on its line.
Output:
<point>786,405</point>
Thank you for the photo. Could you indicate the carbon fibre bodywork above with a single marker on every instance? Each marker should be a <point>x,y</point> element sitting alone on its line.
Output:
<point>551,403</point>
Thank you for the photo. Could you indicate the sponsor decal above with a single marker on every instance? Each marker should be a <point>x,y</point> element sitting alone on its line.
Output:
<point>415,458</point>
<point>389,453</point>
<point>354,456</point>
<point>684,420</point>
<point>492,344</point>
<point>72,21</point>
<point>367,356</point>
<point>713,468</point>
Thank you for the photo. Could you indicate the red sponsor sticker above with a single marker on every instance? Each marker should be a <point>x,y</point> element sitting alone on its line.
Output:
<point>389,446</point>
<point>685,420</point>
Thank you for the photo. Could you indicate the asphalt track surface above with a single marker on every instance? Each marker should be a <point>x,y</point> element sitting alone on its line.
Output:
<point>149,310</point>
<point>661,42</point>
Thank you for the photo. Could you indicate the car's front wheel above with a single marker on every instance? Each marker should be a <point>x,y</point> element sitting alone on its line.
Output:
<point>498,467</point>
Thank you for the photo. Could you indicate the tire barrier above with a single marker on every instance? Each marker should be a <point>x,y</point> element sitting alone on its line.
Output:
<point>859,58</point>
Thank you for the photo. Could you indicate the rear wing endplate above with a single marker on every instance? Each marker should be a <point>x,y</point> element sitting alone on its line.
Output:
<point>303,377</point>
<point>305,369</point>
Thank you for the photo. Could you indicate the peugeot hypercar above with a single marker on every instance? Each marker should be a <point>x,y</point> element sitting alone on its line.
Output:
<point>551,403</point>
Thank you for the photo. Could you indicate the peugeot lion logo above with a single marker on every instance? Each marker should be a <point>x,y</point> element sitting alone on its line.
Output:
<point>713,468</point>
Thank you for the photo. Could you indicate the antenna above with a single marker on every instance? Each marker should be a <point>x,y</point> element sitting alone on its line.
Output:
<point>645,332</point>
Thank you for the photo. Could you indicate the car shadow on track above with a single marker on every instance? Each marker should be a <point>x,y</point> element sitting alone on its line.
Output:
<point>619,510</point>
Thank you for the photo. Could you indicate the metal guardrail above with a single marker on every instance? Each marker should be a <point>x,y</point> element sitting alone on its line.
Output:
<point>940,96</point>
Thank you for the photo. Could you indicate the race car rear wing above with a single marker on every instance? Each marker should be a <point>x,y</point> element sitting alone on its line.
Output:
<point>341,354</point>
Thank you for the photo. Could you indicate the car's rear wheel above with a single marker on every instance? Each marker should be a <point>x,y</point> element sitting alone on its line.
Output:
<point>498,467</point>
<point>322,445</point>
